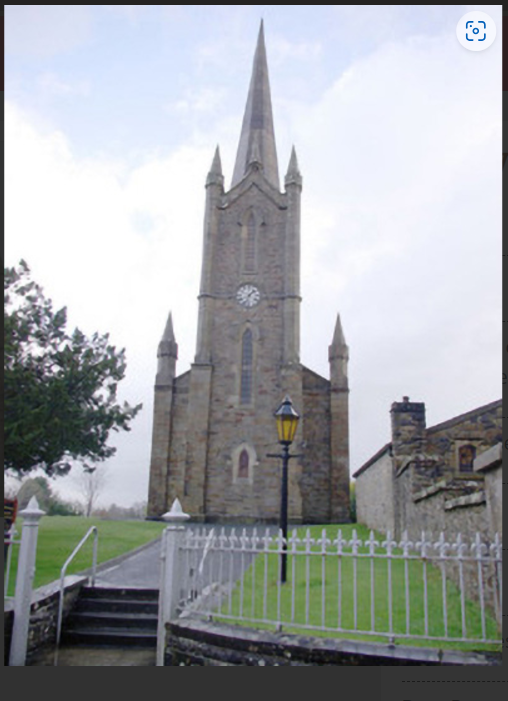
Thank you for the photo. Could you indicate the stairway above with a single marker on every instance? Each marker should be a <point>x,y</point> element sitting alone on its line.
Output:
<point>113,617</point>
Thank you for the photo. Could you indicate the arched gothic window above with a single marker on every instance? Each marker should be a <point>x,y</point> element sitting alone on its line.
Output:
<point>246,376</point>
<point>243,465</point>
<point>243,461</point>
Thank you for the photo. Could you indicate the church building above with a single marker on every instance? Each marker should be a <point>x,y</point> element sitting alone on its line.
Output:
<point>214,425</point>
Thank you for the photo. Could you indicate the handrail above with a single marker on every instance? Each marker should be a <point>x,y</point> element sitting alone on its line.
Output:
<point>78,547</point>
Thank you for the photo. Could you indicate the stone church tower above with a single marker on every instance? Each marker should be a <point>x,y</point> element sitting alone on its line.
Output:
<point>214,425</point>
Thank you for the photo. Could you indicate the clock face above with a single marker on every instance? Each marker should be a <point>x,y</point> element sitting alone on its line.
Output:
<point>248,295</point>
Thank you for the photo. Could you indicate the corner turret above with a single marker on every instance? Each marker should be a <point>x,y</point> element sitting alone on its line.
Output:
<point>215,176</point>
<point>167,355</point>
<point>338,355</point>
<point>293,175</point>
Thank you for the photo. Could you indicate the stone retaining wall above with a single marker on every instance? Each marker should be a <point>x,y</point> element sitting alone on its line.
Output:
<point>201,644</point>
<point>43,613</point>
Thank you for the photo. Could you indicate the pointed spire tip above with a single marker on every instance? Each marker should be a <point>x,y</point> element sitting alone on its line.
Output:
<point>257,138</point>
<point>216,163</point>
<point>215,176</point>
<point>339,340</point>
<point>293,174</point>
<point>169,334</point>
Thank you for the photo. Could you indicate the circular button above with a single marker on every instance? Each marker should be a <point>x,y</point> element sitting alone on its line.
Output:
<point>476,31</point>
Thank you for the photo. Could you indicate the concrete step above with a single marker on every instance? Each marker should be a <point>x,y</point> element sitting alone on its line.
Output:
<point>111,619</point>
<point>124,605</point>
<point>120,593</point>
<point>110,637</point>
<point>106,616</point>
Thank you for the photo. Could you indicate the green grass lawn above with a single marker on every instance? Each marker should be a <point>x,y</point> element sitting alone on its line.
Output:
<point>59,535</point>
<point>313,598</point>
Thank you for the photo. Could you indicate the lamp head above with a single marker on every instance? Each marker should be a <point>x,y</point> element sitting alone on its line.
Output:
<point>287,421</point>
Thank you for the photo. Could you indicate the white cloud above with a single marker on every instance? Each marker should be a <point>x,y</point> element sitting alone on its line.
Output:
<point>52,84</point>
<point>400,160</point>
<point>74,221</point>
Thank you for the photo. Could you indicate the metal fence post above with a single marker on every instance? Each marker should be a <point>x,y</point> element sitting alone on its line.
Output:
<point>169,593</point>
<point>24,581</point>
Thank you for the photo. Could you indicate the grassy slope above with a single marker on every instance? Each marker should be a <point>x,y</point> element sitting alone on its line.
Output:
<point>296,603</point>
<point>59,535</point>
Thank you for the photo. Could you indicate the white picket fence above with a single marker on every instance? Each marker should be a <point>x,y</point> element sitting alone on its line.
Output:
<point>424,589</point>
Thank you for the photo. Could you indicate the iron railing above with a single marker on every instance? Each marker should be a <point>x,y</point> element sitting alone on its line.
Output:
<point>424,589</point>
<point>91,531</point>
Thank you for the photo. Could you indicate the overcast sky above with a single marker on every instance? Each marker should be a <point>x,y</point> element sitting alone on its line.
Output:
<point>113,114</point>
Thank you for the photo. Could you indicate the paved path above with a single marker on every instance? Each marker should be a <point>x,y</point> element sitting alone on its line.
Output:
<point>141,569</point>
<point>138,570</point>
<point>92,657</point>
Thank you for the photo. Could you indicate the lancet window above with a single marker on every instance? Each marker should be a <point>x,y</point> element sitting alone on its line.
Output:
<point>249,244</point>
<point>247,361</point>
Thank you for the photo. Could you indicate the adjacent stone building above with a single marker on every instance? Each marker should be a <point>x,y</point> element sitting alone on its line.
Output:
<point>214,425</point>
<point>442,478</point>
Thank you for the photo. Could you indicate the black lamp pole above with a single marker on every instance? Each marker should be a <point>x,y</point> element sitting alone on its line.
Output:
<point>287,422</point>
<point>284,510</point>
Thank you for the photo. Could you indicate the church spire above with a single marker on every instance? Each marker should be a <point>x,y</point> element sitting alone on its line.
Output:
<point>257,140</point>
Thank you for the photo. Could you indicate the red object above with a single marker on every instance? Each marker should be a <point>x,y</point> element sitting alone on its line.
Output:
<point>10,512</point>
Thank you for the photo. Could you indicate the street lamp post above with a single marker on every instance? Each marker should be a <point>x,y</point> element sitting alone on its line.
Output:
<point>287,421</point>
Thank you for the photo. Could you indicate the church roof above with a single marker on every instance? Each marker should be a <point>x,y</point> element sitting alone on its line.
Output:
<point>464,417</point>
<point>257,139</point>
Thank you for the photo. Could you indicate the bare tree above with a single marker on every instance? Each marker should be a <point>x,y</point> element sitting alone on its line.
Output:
<point>91,483</point>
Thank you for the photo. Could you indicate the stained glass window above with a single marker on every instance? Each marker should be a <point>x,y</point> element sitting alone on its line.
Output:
<point>243,465</point>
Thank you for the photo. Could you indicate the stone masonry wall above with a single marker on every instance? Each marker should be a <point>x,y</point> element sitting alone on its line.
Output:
<point>494,495</point>
<point>444,510</point>
<point>374,495</point>
<point>315,481</point>
<point>446,507</point>
<point>43,614</point>
<point>200,644</point>
<point>176,487</point>
<point>482,428</point>
<point>231,421</point>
